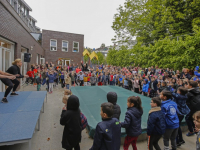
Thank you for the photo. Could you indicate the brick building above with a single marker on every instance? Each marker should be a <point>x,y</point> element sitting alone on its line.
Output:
<point>19,34</point>
<point>15,37</point>
<point>62,48</point>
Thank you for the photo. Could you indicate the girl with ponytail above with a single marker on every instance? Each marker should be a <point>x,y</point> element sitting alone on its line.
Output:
<point>132,121</point>
<point>12,84</point>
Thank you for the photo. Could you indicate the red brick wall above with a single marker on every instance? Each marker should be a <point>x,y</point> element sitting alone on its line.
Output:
<point>53,56</point>
<point>15,30</point>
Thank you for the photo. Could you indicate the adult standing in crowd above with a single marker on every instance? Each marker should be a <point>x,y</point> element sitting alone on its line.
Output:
<point>47,64</point>
<point>13,70</point>
<point>84,67</point>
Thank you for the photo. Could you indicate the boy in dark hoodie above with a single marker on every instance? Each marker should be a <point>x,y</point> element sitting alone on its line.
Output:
<point>156,124</point>
<point>70,118</point>
<point>108,132</point>
<point>193,102</point>
<point>112,98</point>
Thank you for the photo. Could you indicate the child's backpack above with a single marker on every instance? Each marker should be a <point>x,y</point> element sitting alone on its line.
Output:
<point>84,122</point>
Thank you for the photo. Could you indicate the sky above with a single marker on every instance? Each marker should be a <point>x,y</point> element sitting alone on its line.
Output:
<point>93,18</point>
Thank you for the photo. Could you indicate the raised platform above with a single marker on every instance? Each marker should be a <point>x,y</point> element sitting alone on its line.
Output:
<point>19,117</point>
<point>91,98</point>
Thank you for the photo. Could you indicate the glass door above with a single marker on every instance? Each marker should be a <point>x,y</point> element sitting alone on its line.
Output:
<point>23,68</point>
<point>5,64</point>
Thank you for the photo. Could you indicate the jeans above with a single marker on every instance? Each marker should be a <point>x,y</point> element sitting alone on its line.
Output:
<point>153,142</point>
<point>62,83</point>
<point>38,87</point>
<point>179,137</point>
<point>170,134</point>
<point>43,81</point>
<point>190,122</point>
<point>81,83</point>
<point>67,86</point>
<point>50,87</point>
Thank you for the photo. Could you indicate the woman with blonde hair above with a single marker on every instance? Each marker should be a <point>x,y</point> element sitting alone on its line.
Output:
<point>14,70</point>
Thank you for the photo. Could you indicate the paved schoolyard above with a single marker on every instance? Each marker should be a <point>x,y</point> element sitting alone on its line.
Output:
<point>51,128</point>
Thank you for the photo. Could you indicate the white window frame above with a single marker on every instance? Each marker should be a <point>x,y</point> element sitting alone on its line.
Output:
<point>73,46</point>
<point>50,45</point>
<point>65,47</point>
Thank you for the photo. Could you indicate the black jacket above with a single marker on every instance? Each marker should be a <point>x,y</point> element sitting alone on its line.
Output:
<point>156,122</point>
<point>38,80</point>
<point>84,68</point>
<point>193,100</point>
<point>112,98</point>
<point>186,75</point>
<point>70,118</point>
<point>132,122</point>
<point>107,135</point>
<point>14,70</point>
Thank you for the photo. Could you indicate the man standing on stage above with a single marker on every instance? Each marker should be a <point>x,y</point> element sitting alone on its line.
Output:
<point>13,71</point>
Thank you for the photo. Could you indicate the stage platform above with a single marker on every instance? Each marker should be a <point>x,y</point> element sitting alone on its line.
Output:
<point>19,117</point>
<point>91,98</point>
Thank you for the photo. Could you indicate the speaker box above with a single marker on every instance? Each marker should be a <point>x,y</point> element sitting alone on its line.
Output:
<point>27,57</point>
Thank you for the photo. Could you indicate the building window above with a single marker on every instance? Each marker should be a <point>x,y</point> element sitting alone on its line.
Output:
<point>53,45</point>
<point>75,46</point>
<point>64,46</point>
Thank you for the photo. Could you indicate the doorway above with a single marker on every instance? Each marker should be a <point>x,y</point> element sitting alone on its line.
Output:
<point>67,62</point>
<point>42,61</point>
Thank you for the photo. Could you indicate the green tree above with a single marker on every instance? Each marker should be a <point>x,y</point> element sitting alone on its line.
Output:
<point>151,20</point>
<point>166,53</point>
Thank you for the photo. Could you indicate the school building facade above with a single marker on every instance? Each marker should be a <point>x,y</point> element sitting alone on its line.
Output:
<point>19,34</point>
<point>62,48</point>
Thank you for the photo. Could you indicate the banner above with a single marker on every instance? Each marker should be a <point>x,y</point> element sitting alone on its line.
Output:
<point>86,52</point>
<point>93,55</point>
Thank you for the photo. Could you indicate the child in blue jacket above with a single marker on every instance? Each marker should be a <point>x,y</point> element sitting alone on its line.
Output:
<point>145,87</point>
<point>132,121</point>
<point>197,75</point>
<point>51,81</point>
<point>169,109</point>
<point>156,124</point>
<point>108,132</point>
<point>180,99</point>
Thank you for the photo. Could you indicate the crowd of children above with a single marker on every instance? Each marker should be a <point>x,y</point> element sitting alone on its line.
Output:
<point>174,96</point>
<point>163,120</point>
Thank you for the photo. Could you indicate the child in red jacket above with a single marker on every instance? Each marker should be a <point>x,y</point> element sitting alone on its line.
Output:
<point>31,76</point>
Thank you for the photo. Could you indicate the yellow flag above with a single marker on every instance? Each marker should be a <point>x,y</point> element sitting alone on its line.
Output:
<point>86,53</point>
<point>93,55</point>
